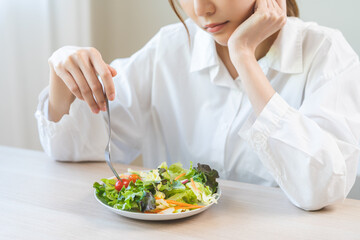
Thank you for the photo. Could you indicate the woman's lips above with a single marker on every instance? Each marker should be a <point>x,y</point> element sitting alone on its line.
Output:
<point>215,27</point>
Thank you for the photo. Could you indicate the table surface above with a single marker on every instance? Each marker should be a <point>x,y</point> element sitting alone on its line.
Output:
<point>44,199</point>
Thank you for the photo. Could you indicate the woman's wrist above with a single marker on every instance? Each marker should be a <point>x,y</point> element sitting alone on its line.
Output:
<point>255,83</point>
<point>60,97</point>
<point>243,58</point>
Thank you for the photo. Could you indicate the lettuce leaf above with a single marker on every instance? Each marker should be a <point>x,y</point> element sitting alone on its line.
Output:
<point>186,196</point>
<point>209,176</point>
<point>175,170</point>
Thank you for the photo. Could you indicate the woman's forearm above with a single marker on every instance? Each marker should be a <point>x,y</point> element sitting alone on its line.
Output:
<point>256,84</point>
<point>60,97</point>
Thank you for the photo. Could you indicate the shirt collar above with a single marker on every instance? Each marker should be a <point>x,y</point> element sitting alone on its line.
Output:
<point>204,53</point>
<point>285,55</point>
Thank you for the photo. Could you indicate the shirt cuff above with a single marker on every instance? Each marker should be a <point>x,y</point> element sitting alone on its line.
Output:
<point>267,121</point>
<point>256,131</point>
<point>47,127</point>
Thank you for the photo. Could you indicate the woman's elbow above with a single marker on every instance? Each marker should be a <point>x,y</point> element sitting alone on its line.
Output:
<point>318,201</point>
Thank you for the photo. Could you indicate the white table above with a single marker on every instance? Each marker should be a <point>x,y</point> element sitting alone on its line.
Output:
<point>44,199</point>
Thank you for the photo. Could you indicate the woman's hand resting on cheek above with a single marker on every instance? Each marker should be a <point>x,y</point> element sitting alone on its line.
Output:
<point>268,18</point>
<point>75,69</point>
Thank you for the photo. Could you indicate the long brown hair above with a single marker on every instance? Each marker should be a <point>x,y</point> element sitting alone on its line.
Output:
<point>292,10</point>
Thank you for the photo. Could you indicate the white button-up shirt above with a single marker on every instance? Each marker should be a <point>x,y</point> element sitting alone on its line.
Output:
<point>176,102</point>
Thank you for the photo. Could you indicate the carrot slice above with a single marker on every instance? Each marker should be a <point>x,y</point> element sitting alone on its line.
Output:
<point>182,204</point>
<point>177,203</point>
<point>183,174</point>
<point>179,207</point>
<point>193,185</point>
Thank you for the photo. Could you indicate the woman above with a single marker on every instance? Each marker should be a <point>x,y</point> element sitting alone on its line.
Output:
<point>260,96</point>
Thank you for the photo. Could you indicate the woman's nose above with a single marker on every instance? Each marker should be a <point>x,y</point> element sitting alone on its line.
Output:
<point>204,7</point>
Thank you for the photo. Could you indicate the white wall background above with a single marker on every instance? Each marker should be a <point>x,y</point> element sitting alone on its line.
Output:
<point>343,15</point>
<point>121,27</point>
<point>24,47</point>
<point>29,31</point>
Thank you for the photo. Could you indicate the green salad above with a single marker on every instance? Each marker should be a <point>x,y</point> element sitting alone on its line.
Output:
<point>166,189</point>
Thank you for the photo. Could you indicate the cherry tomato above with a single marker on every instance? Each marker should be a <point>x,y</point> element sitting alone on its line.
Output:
<point>126,182</point>
<point>133,177</point>
<point>119,185</point>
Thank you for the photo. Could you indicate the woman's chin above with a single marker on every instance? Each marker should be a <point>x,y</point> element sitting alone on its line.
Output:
<point>221,41</point>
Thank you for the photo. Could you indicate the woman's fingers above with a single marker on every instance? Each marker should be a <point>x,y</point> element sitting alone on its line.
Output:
<point>78,69</point>
<point>276,13</point>
<point>84,87</point>
<point>280,8</point>
<point>112,70</point>
<point>70,83</point>
<point>92,80</point>
<point>271,4</point>
<point>105,74</point>
<point>260,5</point>
<point>281,4</point>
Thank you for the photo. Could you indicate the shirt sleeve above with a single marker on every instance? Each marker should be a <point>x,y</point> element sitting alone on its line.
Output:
<point>78,136</point>
<point>82,135</point>
<point>312,152</point>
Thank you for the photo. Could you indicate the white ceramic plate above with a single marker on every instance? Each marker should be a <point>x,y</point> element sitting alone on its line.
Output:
<point>156,217</point>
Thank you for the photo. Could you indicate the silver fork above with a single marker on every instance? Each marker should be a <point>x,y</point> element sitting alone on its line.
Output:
<point>108,149</point>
